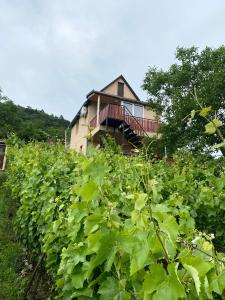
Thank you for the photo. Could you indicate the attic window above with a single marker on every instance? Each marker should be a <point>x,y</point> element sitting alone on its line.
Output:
<point>120,89</point>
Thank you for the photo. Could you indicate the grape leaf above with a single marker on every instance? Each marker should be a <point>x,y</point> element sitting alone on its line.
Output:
<point>111,289</point>
<point>140,201</point>
<point>194,274</point>
<point>153,281</point>
<point>171,288</point>
<point>88,190</point>
<point>139,256</point>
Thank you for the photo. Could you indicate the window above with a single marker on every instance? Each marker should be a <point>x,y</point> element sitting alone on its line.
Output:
<point>138,111</point>
<point>133,109</point>
<point>129,108</point>
<point>120,89</point>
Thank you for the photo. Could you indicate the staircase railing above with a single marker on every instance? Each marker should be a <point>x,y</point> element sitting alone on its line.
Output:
<point>129,115</point>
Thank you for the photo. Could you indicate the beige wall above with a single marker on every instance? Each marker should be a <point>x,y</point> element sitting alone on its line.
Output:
<point>149,114</point>
<point>112,89</point>
<point>78,140</point>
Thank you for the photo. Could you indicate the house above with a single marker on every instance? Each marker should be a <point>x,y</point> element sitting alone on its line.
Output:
<point>2,155</point>
<point>116,110</point>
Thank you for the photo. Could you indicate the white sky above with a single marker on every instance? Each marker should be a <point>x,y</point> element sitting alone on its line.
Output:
<point>53,52</point>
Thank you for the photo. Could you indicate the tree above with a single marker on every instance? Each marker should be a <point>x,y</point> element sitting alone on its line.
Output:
<point>172,94</point>
<point>29,124</point>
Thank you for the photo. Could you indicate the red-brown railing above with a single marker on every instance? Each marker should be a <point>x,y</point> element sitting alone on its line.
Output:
<point>118,112</point>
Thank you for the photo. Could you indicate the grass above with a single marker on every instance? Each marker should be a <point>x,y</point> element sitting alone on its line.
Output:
<point>11,252</point>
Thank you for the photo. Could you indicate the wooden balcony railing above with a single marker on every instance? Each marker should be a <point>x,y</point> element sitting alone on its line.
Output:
<point>119,112</point>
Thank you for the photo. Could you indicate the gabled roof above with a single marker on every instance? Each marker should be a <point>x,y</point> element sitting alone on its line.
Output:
<point>121,77</point>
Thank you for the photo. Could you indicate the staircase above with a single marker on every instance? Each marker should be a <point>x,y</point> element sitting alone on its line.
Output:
<point>131,128</point>
<point>127,131</point>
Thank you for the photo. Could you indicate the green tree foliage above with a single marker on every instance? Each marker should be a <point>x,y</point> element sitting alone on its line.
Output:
<point>171,94</point>
<point>116,227</point>
<point>29,124</point>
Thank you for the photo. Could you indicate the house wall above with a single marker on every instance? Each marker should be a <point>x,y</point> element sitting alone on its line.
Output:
<point>112,89</point>
<point>149,114</point>
<point>78,141</point>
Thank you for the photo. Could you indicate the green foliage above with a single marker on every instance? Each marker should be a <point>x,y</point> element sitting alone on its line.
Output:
<point>29,124</point>
<point>114,227</point>
<point>11,252</point>
<point>171,94</point>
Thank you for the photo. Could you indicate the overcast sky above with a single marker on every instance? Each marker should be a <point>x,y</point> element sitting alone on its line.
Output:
<point>53,52</point>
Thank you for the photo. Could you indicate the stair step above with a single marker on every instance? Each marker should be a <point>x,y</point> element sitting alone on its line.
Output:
<point>129,133</point>
<point>125,130</point>
<point>133,138</point>
<point>123,125</point>
<point>128,129</point>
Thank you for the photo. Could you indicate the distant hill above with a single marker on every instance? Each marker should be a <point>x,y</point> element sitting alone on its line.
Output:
<point>28,123</point>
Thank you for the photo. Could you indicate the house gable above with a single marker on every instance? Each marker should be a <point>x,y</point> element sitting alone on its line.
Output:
<point>120,87</point>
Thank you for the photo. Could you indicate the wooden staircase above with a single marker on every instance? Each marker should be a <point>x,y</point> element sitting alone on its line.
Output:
<point>128,132</point>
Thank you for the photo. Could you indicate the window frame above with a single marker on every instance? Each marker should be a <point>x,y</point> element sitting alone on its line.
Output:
<point>133,105</point>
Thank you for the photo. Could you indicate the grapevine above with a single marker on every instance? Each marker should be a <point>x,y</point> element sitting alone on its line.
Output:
<point>116,227</point>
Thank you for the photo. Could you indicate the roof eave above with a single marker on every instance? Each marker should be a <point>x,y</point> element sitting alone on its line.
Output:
<point>89,95</point>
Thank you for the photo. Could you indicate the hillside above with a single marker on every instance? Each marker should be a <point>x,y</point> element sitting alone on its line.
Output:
<point>28,123</point>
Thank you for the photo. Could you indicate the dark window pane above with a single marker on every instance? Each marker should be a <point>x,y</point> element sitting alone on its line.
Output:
<point>120,90</point>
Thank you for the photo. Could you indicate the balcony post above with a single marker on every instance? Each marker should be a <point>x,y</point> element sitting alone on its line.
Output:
<point>98,110</point>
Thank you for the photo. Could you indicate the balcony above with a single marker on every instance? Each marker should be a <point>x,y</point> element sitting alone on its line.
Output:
<point>118,115</point>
